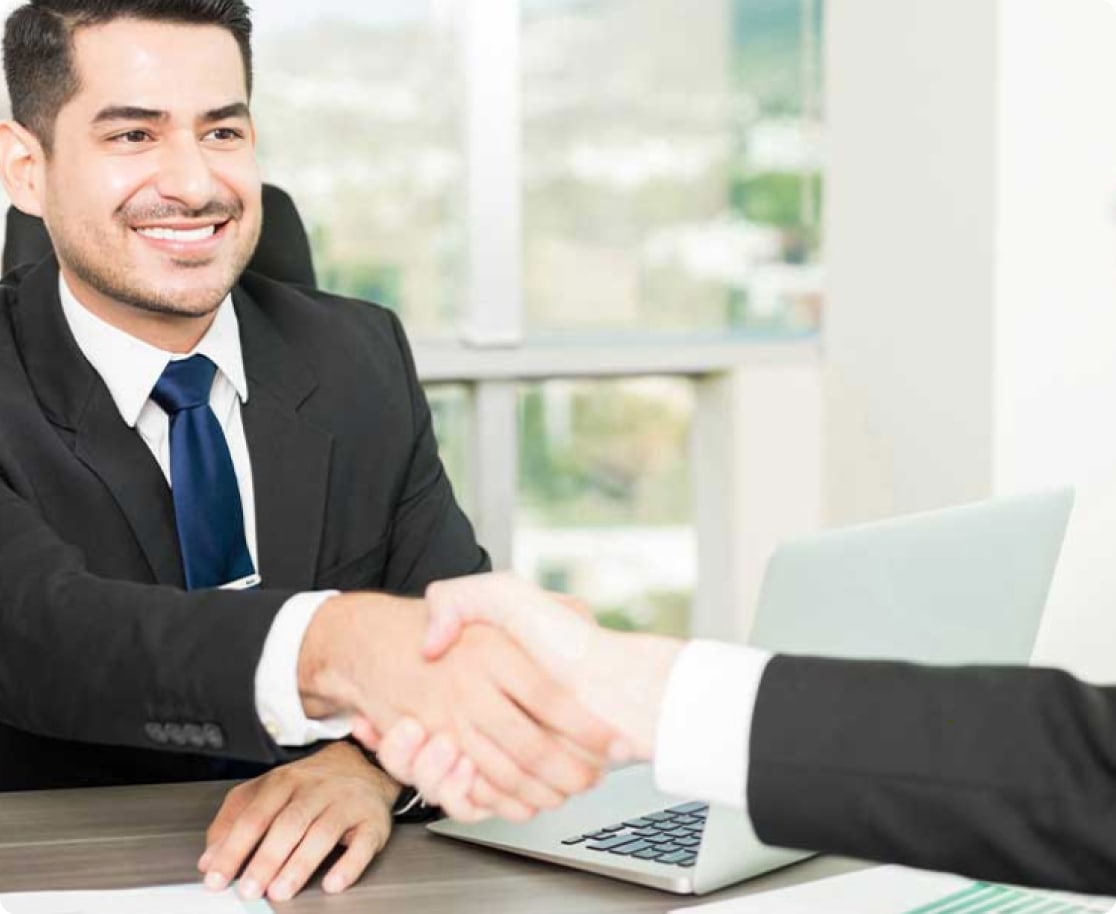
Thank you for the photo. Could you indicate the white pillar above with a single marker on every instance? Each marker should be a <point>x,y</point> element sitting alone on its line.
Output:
<point>757,478</point>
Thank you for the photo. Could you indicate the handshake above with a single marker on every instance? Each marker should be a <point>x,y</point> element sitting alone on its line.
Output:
<point>491,696</point>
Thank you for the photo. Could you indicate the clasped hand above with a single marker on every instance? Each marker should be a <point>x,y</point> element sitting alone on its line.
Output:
<point>520,738</point>
<point>621,678</point>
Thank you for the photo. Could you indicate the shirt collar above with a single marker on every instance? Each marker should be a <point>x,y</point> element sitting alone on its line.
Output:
<point>130,367</point>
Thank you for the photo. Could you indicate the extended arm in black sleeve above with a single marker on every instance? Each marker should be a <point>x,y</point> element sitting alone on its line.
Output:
<point>1007,774</point>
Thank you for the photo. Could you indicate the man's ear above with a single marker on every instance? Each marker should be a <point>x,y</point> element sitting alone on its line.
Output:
<point>22,162</point>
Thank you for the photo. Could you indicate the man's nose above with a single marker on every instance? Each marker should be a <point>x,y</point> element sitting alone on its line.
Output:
<point>185,174</point>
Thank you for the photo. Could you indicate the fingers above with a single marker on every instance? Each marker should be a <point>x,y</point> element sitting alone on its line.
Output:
<point>455,793</point>
<point>432,764</point>
<point>316,844</point>
<point>363,845</point>
<point>438,770</point>
<point>251,823</point>
<point>435,768</point>
<point>235,802</point>
<point>290,819</point>
<point>563,714</point>
<point>556,709</point>
<point>524,793</point>
<point>398,749</point>
<point>445,777</point>
<point>298,818</point>
<point>502,741</point>
<point>486,797</point>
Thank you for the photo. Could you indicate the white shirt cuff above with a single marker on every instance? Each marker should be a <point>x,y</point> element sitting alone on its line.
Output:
<point>701,745</point>
<point>277,700</point>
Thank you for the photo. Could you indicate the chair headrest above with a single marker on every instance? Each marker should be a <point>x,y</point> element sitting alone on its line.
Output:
<point>282,254</point>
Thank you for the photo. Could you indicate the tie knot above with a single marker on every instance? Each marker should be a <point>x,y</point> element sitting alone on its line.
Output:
<point>184,384</point>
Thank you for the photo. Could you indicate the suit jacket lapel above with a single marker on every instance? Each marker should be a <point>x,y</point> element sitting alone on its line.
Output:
<point>117,454</point>
<point>290,455</point>
<point>75,399</point>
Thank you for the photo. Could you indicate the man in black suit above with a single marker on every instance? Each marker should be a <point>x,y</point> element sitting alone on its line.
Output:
<point>195,462</point>
<point>1006,774</point>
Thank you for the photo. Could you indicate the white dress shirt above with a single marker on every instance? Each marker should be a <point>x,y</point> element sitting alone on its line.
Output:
<point>130,369</point>
<point>702,741</point>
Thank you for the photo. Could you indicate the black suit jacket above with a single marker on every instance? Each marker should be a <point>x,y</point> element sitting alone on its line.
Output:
<point>105,661</point>
<point>1001,774</point>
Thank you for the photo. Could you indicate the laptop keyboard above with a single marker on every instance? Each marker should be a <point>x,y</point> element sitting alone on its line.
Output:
<point>670,836</point>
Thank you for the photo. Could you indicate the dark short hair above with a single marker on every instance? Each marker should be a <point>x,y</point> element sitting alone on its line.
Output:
<point>38,47</point>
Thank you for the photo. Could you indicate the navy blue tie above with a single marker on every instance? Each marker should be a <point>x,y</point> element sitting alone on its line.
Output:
<point>207,506</point>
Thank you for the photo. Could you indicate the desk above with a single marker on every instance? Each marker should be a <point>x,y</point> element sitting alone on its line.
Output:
<point>134,836</point>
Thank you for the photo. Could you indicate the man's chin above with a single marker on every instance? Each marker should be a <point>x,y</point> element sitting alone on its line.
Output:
<point>189,289</point>
<point>182,306</point>
<point>171,299</point>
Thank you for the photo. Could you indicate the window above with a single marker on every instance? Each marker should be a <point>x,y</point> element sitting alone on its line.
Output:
<point>605,506</point>
<point>671,166</point>
<point>359,118</point>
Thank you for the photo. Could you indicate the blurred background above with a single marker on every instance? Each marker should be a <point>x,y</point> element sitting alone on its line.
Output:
<point>688,277</point>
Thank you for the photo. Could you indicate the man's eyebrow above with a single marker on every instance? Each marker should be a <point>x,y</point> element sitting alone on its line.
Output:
<point>128,113</point>
<point>228,112</point>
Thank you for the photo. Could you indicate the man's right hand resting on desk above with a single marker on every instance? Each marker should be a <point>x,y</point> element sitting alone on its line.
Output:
<point>277,829</point>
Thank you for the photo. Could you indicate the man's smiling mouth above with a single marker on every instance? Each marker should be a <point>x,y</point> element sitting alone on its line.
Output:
<point>178,235</point>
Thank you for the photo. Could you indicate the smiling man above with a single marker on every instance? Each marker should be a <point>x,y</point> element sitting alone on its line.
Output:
<point>195,461</point>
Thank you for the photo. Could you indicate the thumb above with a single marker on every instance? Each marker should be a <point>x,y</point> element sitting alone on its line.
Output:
<point>457,602</point>
<point>365,733</point>
<point>443,631</point>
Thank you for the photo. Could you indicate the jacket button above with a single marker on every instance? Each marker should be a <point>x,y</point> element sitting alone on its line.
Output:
<point>194,736</point>
<point>155,732</point>
<point>213,736</point>
<point>176,734</point>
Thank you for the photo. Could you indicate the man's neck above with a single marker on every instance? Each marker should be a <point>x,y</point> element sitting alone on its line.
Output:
<point>177,333</point>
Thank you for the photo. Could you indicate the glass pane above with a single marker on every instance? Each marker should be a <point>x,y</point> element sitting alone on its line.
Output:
<point>358,112</point>
<point>451,410</point>
<point>605,505</point>
<point>672,163</point>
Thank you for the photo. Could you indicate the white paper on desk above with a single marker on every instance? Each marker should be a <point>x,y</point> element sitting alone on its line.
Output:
<point>879,890</point>
<point>173,899</point>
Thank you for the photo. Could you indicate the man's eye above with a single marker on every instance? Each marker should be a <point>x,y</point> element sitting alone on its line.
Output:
<point>132,136</point>
<point>225,134</point>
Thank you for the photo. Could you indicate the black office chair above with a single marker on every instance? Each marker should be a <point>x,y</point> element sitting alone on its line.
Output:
<point>283,252</point>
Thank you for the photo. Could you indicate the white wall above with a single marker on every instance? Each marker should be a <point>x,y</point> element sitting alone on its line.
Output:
<point>971,225</point>
<point>1055,342</point>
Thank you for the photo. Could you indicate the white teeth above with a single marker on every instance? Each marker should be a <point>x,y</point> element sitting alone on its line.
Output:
<point>169,234</point>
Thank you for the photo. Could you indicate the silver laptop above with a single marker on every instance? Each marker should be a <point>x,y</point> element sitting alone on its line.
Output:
<point>964,585</point>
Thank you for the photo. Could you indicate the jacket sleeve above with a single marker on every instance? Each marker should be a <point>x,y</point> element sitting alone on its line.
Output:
<point>1005,774</point>
<point>106,661</point>
<point>431,537</point>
